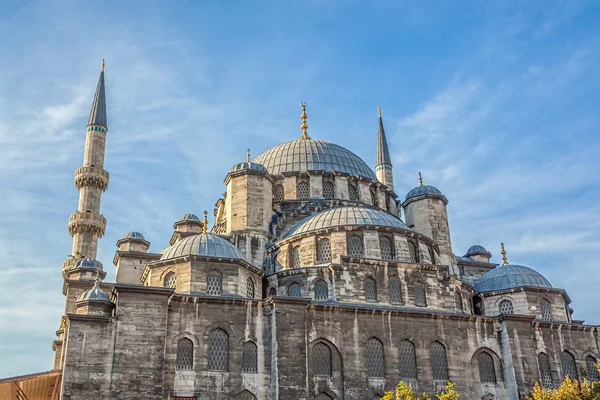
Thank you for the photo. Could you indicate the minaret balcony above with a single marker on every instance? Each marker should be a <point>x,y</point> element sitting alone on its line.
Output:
<point>87,222</point>
<point>91,177</point>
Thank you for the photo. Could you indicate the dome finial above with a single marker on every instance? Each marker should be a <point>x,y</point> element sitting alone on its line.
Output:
<point>248,156</point>
<point>205,222</point>
<point>102,66</point>
<point>504,260</point>
<point>420,179</point>
<point>304,126</point>
<point>379,111</point>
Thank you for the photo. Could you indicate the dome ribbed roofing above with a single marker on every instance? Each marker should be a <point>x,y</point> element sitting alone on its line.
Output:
<point>88,263</point>
<point>509,277</point>
<point>203,244</point>
<point>134,235</point>
<point>313,155</point>
<point>94,294</point>
<point>190,217</point>
<point>423,190</point>
<point>346,216</point>
<point>476,249</point>
<point>248,165</point>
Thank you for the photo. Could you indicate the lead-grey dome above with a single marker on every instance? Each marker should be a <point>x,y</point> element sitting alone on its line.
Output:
<point>346,216</point>
<point>477,249</point>
<point>94,294</point>
<point>134,235</point>
<point>248,165</point>
<point>423,190</point>
<point>313,155</point>
<point>203,244</point>
<point>189,217</point>
<point>88,263</point>
<point>509,277</point>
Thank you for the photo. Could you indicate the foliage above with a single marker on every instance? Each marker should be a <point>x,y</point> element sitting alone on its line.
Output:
<point>569,390</point>
<point>404,392</point>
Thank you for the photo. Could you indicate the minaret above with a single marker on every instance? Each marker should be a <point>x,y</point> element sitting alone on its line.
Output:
<point>87,225</point>
<point>383,169</point>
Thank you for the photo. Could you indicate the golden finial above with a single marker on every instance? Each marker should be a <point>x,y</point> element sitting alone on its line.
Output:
<point>420,179</point>
<point>379,111</point>
<point>205,222</point>
<point>504,260</point>
<point>304,126</point>
<point>248,156</point>
<point>102,66</point>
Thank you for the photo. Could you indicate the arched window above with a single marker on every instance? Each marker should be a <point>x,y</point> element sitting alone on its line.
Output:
<point>458,302</point>
<point>374,198</point>
<point>328,190</point>
<point>294,290</point>
<point>420,295</point>
<point>387,248</point>
<point>395,290</point>
<point>218,350</point>
<point>506,307</point>
<point>214,283</point>
<point>185,354</point>
<point>296,257</point>
<point>432,255</point>
<point>352,192</point>
<point>370,290</point>
<point>408,361</point>
<point>375,361</point>
<point>355,247</point>
<point>324,250</point>
<point>439,362</point>
<point>568,365</point>
<point>546,310</point>
<point>272,292</point>
<point>170,280</point>
<point>303,190</point>
<point>245,395</point>
<point>249,358</point>
<point>321,360</point>
<point>249,288</point>
<point>593,374</point>
<point>545,371</point>
<point>278,193</point>
<point>412,250</point>
<point>487,371</point>
<point>321,290</point>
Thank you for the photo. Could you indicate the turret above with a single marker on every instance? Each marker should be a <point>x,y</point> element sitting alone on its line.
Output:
<point>131,258</point>
<point>383,169</point>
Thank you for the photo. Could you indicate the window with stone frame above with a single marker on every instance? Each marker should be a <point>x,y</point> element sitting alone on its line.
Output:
<point>170,280</point>
<point>328,191</point>
<point>352,192</point>
<point>303,190</point>
<point>245,395</point>
<point>321,360</point>
<point>439,361</point>
<point>272,292</point>
<point>218,350</point>
<point>375,359</point>
<point>395,290</point>
<point>506,307</point>
<point>370,287</point>
<point>487,370</point>
<point>295,290</point>
<point>324,250</point>
<point>420,294</point>
<point>458,302</point>
<point>214,283</point>
<point>278,193</point>
<point>296,257</point>
<point>387,248</point>
<point>432,255</point>
<point>546,310</point>
<point>321,290</point>
<point>249,288</point>
<point>408,361</point>
<point>412,250</point>
<point>545,372</point>
<point>568,365</point>
<point>374,200</point>
<point>185,354</point>
<point>355,246</point>
<point>249,358</point>
<point>593,374</point>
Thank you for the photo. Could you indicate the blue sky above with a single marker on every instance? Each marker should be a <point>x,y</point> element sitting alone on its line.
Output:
<point>496,102</point>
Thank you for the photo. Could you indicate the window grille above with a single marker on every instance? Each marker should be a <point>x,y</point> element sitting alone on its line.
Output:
<point>245,395</point>
<point>374,198</point>
<point>218,350</point>
<point>439,362</point>
<point>375,360</point>
<point>321,358</point>
<point>324,250</point>
<point>370,290</point>
<point>568,365</point>
<point>278,193</point>
<point>303,191</point>
<point>458,302</point>
<point>249,358</point>
<point>272,292</point>
<point>249,288</point>
<point>506,307</point>
<point>395,290</point>
<point>420,295</point>
<point>546,310</point>
<point>328,190</point>
<point>296,257</point>
<point>185,354</point>
<point>593,374</point>
<point>412,250</point>
<point>170,280</point>
<point>321,290</point>
<point>408,360</point>
<point>487,371</point>
<point>294,290</point>
<point>214,283</point>
<point>355,247</point>
<point>387,248</point>
<point>352,192</point>
<point>545,371</point>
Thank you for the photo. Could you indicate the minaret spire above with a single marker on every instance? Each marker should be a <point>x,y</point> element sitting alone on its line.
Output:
<point>383,169</point>
<point>98,112</point>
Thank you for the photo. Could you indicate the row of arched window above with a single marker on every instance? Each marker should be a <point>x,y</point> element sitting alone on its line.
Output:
<point>506,307</point>
<point>214,283</point>
<point>303,192</point>
<point>569,368</point>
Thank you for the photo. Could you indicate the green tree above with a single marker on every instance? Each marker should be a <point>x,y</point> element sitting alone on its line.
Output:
<point>404,392</point>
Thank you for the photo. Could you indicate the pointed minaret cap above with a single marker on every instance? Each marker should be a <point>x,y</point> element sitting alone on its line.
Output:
<point>98,112</point>
<point>383,153</point>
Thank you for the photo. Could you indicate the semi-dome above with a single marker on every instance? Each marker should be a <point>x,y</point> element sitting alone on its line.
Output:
<point>203,244</point>
<point>509,277</point>
<point>94,294</point>
<point>477,249</point>
<point>346,216</point>
<point>189,217</point>
<point>134,235</point>
<point>304,155</point>
<point>423,190</point>
<point>88,263</point>
<point>248,165</point>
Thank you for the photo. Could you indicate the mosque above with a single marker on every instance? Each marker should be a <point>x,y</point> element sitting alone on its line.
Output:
<point>315,281</point>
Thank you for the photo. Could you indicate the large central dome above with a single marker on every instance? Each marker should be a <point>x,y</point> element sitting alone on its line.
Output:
<point>304,155</point>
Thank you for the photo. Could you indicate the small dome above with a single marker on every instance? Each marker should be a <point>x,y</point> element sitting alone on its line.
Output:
<point>423,190</point>
<point>88,263</point>
<point>203,244</point>
<point>134,235</point>
<point>509,277</point>
<point>248,165</point>
<point>189,217</point>
<point>94,294</point>
<point>342,216</point>
<point>476,249</point>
